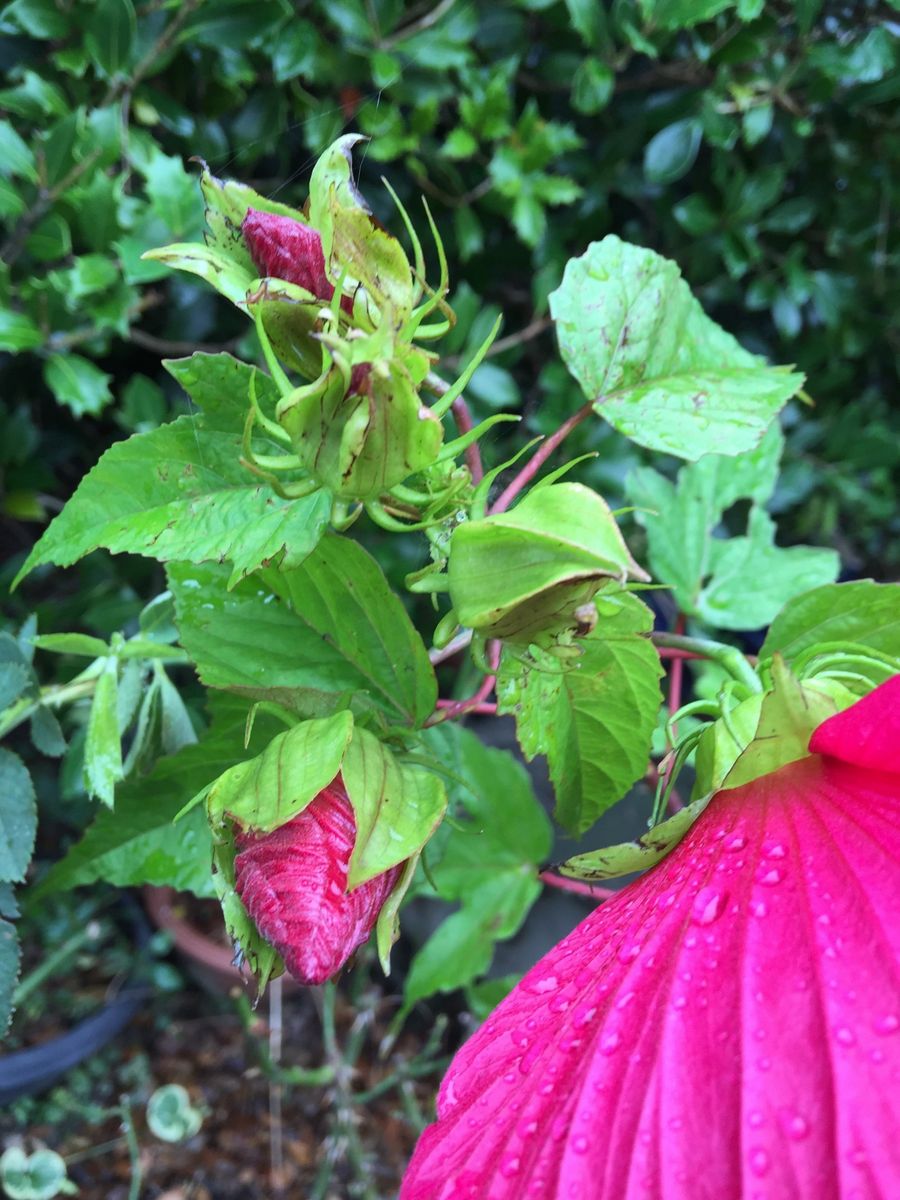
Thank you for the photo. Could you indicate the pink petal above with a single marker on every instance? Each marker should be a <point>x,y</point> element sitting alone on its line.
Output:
<point>282,248</point>
<point>728,1028</point>
<point>293,883</point>
<point>867,733</point>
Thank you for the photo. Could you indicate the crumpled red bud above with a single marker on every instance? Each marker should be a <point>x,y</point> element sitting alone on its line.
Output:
<point>282,248</point>
<point>293,883</point>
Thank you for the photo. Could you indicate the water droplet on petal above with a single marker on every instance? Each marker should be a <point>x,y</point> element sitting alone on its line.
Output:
<point>629,952</point>
<point>610,1043</point>
<point>759,1162</point>
<point>887,1024</point>
<point>625,1000</point>
<point>845,1035</point>
<point>759,908</point>
<point>774,849</point>
<point>676,1123</point>
<point>857,1158</point>
<point>580,1144</point>
<point>737,842</point>
<point>755,1119</point>
<point>793,1125</point>
<point>708,906</point>
<point>510,1166</point>
<point>768,876</point>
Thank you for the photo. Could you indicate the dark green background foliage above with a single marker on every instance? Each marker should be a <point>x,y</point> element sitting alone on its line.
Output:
<point>756,144</point>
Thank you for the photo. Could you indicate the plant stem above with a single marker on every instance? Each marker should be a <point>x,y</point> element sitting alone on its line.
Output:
<point>538,459</point>
<point>134,1152</point>
<point>462,415</point>
<point>54,696</point>
<point>449,710</point>
<point>676,674</point>
<point>728,657</point>
<point>54,961</point>
<point>576,886</point>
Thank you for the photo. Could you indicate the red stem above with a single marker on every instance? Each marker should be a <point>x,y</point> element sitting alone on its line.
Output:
<point>538,459</point>
<point>575,885</point>
<point>449,710</point>
<point>464,423</point>
<point>486,709</point>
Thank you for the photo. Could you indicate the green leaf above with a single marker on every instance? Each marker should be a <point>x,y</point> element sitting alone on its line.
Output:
<point>46,733</point>
<point>752,577</point>
<point>672,152</point>
<point>9,968</point>
<point>137,842</point>
<point>16,158</point>
<point>266,792</point>
<point>681,14</point>
<point>18,818</point>
<point>14,679</point>
<point>736,583</point>
<point>78,383</point>
<point>103,747</point>
<point>489,862</point>
<point>180,491</point>
<point>595,721</point>
<point>652,847</point>
<point>316,637</point>
<point>397,807</point>
<point>18,332</point>
<point>863,612</point>
<point>72,643</point>
<point>109,34</point>
<point>655,366</point>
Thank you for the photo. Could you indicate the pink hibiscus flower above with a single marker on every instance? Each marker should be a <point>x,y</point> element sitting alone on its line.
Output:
<point>293,883</point>
<point>728,1028</point>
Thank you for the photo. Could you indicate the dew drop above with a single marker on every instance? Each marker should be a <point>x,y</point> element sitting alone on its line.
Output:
<point>774,849</point>
<point>580,1144</point>
<point>510,1166</point>
<point>793,1125</point>
<point>887,1024</point>
<point>768,876</point>
<point>676,1123</point>
<point>759,1162</point>
<point>679,1003</point>
<point>559,1004</point>
<point>625,1000</point>
<point>542,984</point>
<point>845,1035</point>
<point>759,908</point>
<point>527,1129</point>
<point>610,1043</point>
<point>764,1064</point>
<point>736,843</point>
<point>547,1089</point>
<point>857,1158</point>
<point>755,1119</point>
<point>708,906</point>
<point>629,952</point>
<point>584,1016</point>
<point>667,899</point>
<point>559,1128</point>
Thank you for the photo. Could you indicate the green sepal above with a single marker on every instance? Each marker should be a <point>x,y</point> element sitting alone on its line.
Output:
<point>387,927</point>
<point>266,792</point>
<point>357,252</point>
<point>290,316</point>
<point>360,445</point>
<point>789,714</point>
<point>627,857</point>
<point>397,806</point>
<point>230,279</point>
<point>523,575</point>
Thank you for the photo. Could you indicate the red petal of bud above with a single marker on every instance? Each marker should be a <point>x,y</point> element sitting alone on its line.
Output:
<point>286,249</point>
<point>293,883</point>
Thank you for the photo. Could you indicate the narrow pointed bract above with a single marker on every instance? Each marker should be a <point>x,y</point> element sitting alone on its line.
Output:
<point>728,1028</point>
<point>293,883</point>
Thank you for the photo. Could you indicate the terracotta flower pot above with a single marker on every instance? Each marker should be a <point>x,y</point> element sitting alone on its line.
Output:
<point>210,961</point>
